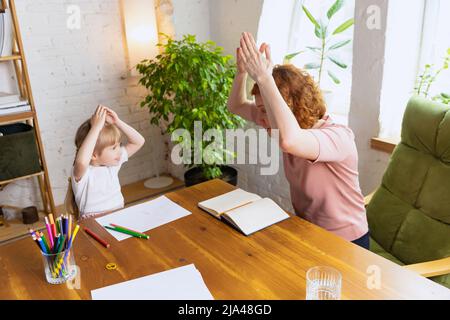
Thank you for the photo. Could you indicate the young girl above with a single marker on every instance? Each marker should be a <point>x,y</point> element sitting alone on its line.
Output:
<point>94,187</point>
<point>320,156</point>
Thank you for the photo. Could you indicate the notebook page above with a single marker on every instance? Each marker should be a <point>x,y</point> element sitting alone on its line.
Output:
<point>144,216</point>
<point>257,215</point>
<point>183,283</point>
<point>229,200</point>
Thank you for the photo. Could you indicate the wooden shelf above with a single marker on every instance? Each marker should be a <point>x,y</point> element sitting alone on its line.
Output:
<point>23,81</point>
<point>21,178</point>
<point>136,191</point>
<point>11,58</point>
<point>383,144</point>
<point>16,117</point>
<point>16,229</point>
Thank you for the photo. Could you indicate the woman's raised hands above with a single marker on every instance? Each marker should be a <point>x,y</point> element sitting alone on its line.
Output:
<point>257,63</point>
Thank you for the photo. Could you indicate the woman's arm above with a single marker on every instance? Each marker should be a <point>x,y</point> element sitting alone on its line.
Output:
<point>84,154</point>
<point>237,101</point>
<point>135,139</point>
<point>293,139</point>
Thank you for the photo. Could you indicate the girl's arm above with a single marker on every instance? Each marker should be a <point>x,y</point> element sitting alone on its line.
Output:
<point>84,154</point>
<point>135,139</point>
<point>293,139</point>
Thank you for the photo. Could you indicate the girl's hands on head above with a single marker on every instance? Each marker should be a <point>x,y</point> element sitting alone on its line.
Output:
<point>257,63</point>
<point>111,116</point>
<point>98,119</point>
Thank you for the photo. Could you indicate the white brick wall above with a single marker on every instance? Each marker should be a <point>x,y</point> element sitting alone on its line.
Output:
<point>71,72</point>
<point>74,70</point>
<point>227,19</point>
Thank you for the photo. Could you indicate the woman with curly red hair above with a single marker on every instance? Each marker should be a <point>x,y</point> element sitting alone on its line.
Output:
<point>320,156</point>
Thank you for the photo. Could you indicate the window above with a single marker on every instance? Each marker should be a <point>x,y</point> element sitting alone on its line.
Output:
<point>302,38</point>
<point>420,37</point>
<point>436,42</point>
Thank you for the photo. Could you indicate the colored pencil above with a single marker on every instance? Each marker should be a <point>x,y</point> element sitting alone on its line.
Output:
<point>61,244</point>
<point>63,226</point>
<point>131,233</point>
<point>74,234</point>
<point>125,228</point>
<point>69,229</point>
<point>44,240</point>
<point>33,233</point>
<point>57,243</point>
<point>96,237</point>
<point>41,244</point>
<point>50,232</point>
<point>52,224</point>
<point>66,227</point>
<point>57,222</point>
<point>36,241</point>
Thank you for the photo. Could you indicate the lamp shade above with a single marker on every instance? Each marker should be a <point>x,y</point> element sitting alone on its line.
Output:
<point>141,31</point>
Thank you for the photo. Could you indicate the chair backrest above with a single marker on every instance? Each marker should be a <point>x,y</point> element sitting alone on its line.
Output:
<point>409,215</point>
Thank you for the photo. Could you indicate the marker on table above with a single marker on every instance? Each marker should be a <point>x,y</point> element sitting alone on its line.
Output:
<point>96,237</point>
<point>129,232</point>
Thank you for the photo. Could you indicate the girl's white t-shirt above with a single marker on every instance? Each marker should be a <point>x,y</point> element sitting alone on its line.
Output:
<point>99,189</point>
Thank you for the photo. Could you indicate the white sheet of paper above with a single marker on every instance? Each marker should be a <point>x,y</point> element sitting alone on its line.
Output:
<point>144,216</point>
<point>183,283</point>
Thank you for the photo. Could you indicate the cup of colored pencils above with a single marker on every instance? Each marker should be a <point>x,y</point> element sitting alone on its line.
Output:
<point>56,247</point>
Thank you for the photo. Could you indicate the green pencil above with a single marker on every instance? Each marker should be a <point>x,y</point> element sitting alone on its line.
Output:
<point>129,232</point>
<point>45,243</point>
<point>61,244</point>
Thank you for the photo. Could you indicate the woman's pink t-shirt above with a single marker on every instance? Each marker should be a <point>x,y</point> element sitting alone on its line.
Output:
<point>326,191</point>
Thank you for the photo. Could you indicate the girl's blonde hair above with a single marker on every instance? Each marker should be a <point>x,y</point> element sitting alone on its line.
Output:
<point>108,136</point>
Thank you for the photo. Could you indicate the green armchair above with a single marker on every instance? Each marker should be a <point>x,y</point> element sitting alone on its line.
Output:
<point>409,214</point>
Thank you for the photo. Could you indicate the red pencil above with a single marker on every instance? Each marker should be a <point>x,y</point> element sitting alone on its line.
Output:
<point>96,237</point>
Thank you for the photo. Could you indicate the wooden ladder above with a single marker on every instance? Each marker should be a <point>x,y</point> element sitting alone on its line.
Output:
<point>23,81</point>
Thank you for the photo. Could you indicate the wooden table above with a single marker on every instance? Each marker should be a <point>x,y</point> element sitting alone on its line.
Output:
<point>270,264</point>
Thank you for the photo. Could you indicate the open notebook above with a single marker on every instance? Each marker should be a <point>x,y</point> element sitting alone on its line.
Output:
<point>246,211</point>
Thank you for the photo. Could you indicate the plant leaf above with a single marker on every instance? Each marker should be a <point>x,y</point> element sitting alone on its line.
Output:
<point>310,66</point>
<point>335,8</point>
<point>292,55</point>
<point>339,44</point>
<point>314,48</point>
<point>318,32</point>
<point>333,77</point>
<point>347,24</point>
<point>310,17</point>
<point>324,29</point>
<point>338,62</point>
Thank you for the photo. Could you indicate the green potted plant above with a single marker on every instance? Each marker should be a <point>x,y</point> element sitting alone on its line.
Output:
<point>428,77</point>
<point>328,46</point>
<point>190,82</point>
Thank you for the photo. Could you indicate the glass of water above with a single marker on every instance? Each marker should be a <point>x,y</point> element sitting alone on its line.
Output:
<point>323,283</point>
